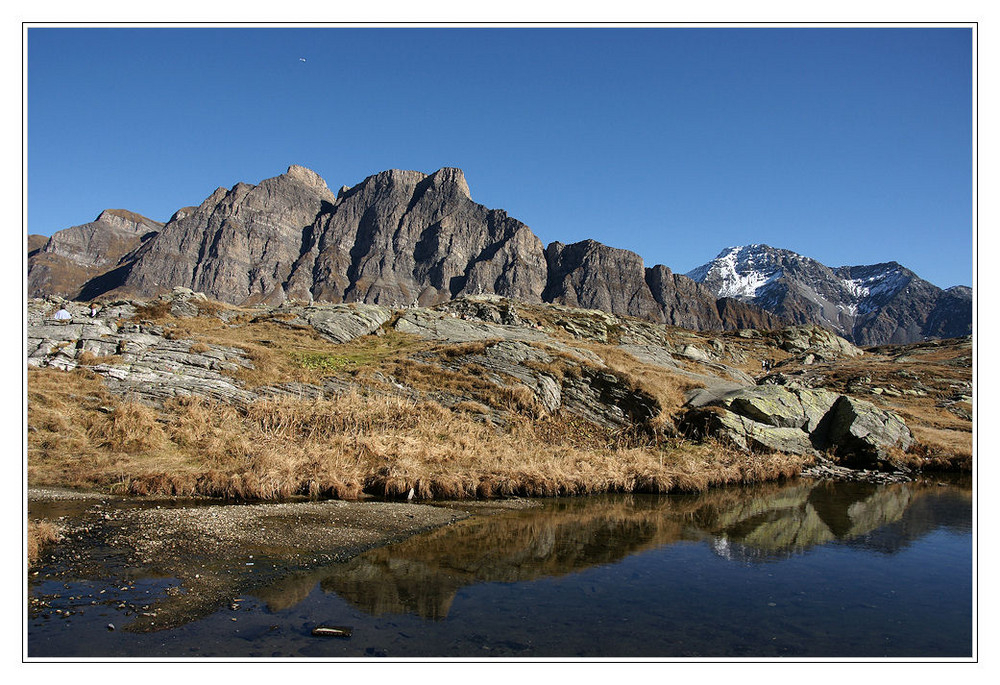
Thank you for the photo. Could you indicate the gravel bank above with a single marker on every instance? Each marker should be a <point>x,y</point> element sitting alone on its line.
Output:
<point>217,552</point>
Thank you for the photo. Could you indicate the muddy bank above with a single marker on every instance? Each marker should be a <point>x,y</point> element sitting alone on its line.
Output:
<point>208,554</point>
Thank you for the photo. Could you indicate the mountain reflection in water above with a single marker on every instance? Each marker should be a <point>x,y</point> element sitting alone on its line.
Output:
<point>751,524</point>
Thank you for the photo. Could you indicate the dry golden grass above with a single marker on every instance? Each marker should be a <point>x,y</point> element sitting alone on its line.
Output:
<point>940,449</point>
<point>351,444</point>
<point>280,353</point>
<point>82,436</point>
<point>40,533</point>
<point>88,358</point>
<point>666,387</point>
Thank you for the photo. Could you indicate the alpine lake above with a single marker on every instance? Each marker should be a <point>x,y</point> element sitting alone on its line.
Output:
<point>801,569</point>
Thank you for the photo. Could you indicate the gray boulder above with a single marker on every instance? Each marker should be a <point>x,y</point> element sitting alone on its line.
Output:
<point>798,421</point>
<point>863,433</point>
<point>817,341</point>
<point>745,433</point>
<point>450,327</point>
<point>781,407</point>
<point>338,323</point>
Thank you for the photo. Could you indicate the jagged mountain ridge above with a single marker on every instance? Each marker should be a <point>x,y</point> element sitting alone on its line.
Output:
<point>396,238</point>
<point>869,305</point>
<point>405,237</point>
<point>74,256</point>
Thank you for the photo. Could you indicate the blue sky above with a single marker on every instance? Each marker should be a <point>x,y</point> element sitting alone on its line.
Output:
<point>848,145</point>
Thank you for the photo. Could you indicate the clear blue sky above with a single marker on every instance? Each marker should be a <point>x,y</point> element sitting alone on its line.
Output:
<point>848,145</point>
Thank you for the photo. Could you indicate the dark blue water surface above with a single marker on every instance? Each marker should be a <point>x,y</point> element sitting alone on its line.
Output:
<point>805,569</point>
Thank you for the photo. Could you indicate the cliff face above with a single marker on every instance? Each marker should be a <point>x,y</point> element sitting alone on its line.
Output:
<point>594,276</point>
<point>395,238</point>
<point>238,245</point>
<point>405,237</point>
<point>402,236</point>
<point>72,257</point>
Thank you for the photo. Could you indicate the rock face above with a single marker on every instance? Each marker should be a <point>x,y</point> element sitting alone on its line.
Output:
<point>396,238</point>
<point>67,262</point>
<point>868,305</point>
<point>142,361</point>
<point>238,245</point>
<point>403,237</point>
<point>590,275</point>
<point>864,431</point>
<point>409,238</point>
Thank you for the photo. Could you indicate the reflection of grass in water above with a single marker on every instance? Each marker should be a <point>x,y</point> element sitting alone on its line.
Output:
<point>421,575</point>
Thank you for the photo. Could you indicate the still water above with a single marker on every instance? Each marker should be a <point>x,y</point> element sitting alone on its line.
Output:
<point>805,569</point>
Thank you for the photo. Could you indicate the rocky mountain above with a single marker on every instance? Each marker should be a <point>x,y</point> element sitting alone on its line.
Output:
<point>869,305</point>
<point>63,264</point>
<point>405,238</point>
<point>396,238</point>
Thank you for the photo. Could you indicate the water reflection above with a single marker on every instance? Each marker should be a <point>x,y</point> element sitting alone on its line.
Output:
<point>423,574</point>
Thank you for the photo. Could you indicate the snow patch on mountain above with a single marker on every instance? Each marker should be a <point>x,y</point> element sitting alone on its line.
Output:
<point>874,285</point>
<point>739,272</point>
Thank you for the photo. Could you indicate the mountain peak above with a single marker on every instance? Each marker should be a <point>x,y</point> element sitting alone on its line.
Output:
<point>400,237</point>
<point>451,176</point>
<point>306,176</point>
<point>124,220</point>
<point>848,299</point>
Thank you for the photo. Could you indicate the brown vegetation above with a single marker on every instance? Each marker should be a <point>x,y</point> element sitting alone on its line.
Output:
<point>458,429</point>
<point>40,533</point>
<point>350,444</point>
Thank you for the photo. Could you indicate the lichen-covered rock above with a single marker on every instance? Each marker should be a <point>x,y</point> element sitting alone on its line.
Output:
<point>782,407</point>
<point>450,327</point>
<point>745,433</point>
<point>337,323</point>
<point>592,392</point>
<point>863,433</point>
<point>817,341</point>
<point>798,421</point>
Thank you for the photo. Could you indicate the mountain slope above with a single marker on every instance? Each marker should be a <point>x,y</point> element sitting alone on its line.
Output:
<point>397,238</point>
<point>75,255</point>
<point>401,237</point>
<point>869,305</point>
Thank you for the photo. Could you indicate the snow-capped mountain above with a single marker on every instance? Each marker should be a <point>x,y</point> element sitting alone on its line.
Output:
<point>869,305</point>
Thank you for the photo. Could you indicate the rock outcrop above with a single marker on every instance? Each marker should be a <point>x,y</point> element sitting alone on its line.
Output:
<point>135,359</point>
<point>801,421</point>
<point>496,354</point>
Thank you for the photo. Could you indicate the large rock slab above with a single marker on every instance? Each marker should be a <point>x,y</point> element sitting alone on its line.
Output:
<point>745,433</point>
<point>863,433</point>
<point>817,341</point>
<point>798,421</point>
<point>450,327</point>
<point>781,407</point>
<point>337,323</point>
<point>591,391</point>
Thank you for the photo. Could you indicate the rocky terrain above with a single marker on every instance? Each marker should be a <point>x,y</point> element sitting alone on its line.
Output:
<point>869,305</point>
<point>402,238</point>
<point>649,389</point>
